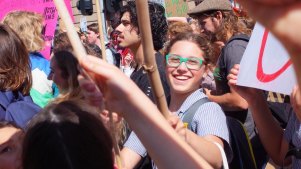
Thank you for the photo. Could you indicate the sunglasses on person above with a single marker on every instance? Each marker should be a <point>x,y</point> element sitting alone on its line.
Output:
<point>193,63</point>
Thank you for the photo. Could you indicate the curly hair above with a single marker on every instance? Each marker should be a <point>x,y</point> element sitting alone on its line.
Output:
<point>158,21</point>
<point>201,41</point>
<point>15,71</point>
<point>29,26</point>
<point>231,25</point>
<point>175,28</point>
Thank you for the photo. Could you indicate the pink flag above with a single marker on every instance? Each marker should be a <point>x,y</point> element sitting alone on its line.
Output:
<point>44,7</point>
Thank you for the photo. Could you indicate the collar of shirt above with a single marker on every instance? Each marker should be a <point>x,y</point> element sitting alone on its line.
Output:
<point>195,96</point>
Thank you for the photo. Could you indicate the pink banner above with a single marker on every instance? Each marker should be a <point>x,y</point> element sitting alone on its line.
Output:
<point>44,7</point>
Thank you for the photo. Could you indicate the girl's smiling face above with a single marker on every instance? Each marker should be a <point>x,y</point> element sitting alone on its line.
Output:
<point>183,80</point>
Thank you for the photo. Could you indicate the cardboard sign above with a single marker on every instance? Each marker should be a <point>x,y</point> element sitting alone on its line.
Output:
<point>266,64</point>
<point>44,7</point>
<point>176,8</point>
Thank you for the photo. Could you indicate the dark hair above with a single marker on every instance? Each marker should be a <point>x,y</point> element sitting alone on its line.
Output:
<point>68,65</point>
<point>201,41</point>
<point>93,49</point>
<point>15,67</point>
<point>158,21</point>
<point>66,136</point>
<point>93,27</point>
<point>61,42</point>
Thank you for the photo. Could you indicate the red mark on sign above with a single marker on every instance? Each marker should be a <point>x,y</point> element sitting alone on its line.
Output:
<point>261,76</point>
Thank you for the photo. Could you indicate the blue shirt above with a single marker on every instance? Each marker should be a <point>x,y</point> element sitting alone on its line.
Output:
<point>292,134</point>
<point>208,120</point>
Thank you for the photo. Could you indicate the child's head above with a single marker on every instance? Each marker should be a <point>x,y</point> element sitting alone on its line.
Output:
<point>10,146</point>
<point>64,135</point>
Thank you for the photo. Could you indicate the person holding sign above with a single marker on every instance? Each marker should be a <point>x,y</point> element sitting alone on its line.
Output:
<point>276,141</point>
<point>283,21</point>
<point>218,21</point>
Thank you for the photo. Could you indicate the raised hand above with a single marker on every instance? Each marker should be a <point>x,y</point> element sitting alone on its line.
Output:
<point>247,93</point>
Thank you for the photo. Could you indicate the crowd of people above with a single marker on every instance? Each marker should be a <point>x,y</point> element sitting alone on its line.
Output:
<point>53,116</point>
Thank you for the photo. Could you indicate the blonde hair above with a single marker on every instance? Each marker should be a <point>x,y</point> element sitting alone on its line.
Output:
<point>28,25</point>
<point>175,28</point>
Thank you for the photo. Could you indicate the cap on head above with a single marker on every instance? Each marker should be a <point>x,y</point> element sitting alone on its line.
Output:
<point>211,5</point>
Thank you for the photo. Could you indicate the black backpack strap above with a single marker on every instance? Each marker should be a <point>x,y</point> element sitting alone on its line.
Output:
<point>293,151</point>
<point>243,37</point>
<point>190,112</point>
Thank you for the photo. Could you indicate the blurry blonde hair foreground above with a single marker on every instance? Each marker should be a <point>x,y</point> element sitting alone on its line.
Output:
<point>29,26</point>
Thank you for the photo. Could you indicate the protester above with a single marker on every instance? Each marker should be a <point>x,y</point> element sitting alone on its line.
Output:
<point>219,22</point>
<point>130,37</point>
<point>168,150</point>
<point>67,135</point>
<point>29,26</point>
<point>61,42</point>
<point>15,79</point>
<point>276,141</point>
<point>64,72</point>
<point>209,125</point>
<point>93,37</point>
<point>10,146</point>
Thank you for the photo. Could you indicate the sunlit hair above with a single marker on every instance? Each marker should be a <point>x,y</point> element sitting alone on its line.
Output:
<point>175,28</point>
<point>201,41</point>
<point>231,25</point>
<point>15,71</point>
<point>28,25</point>
<point>61,42</point>
<point>67,135</point>
<point>93,27</point>
<point>68,65</point>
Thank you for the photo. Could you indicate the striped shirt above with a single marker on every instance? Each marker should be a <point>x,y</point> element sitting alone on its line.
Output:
<point>208,120</point>
<point>292,134</point>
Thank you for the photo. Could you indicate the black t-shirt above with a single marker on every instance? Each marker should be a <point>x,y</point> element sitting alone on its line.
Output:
<point>140,77</point>
<point>232,54</point>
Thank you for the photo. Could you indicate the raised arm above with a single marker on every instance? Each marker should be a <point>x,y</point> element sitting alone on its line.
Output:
<point>122,95</point>
<point>270,133</point>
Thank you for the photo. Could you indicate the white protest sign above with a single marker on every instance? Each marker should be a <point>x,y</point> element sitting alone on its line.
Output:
<point>266,64</point>
<point>83,24</point>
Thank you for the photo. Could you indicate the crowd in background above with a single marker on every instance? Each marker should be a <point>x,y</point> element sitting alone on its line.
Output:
<point>62,113</point>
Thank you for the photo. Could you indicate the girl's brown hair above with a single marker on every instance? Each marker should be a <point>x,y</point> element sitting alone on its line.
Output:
<point>201,41</point>
<point>15,68</point>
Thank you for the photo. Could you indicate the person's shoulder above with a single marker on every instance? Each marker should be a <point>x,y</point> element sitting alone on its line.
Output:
<point>238,39</point>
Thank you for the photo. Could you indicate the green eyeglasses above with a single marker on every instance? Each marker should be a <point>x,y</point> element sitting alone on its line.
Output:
<point>192,63</point>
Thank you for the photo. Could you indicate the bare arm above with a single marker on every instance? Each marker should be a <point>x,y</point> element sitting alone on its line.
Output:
<point>204,146</point>
<point>270,133</point>
<point>130,158</point>
<point>122,95</point>
<point>231,101</point>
